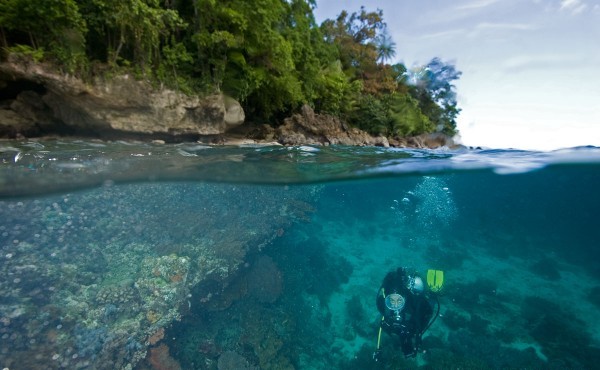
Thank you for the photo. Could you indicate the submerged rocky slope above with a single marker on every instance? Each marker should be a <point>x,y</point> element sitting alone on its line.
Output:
<point>92,279</point>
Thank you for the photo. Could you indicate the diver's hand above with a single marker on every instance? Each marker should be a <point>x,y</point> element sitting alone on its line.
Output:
<point>377,355</point>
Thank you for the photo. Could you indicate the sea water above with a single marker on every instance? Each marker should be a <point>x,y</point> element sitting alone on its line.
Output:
<point>120,255</point>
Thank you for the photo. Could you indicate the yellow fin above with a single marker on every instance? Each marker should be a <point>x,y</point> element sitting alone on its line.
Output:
<point>435,280</point>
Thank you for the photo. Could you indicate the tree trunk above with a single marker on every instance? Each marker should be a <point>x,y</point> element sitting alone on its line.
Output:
<point>116,56</point>
<point>3,38</point>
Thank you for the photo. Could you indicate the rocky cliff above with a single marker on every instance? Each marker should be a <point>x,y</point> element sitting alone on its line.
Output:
<point>34,101</point>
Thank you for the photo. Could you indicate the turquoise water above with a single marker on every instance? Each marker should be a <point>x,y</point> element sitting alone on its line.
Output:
<point>129,255</point>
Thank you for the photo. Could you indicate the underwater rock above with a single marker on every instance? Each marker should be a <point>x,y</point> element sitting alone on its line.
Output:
<point>454,320</point>
<point>230,360</point>
<point>481,291</point>
<point>156,337</point>
<point>265,282</point>
<point>546,268</point>
<point>594,296</point>
<point>162,287</point>
<point>267,343</point>
<point>116,295</point>
<point>160,359</point>
<point>489,353</point>
<point>262,281</point>
<point>478,325</point>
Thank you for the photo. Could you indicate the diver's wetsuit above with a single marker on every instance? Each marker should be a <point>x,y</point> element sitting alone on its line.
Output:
<point>410,322</point>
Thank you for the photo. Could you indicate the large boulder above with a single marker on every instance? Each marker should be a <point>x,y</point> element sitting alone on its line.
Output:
<point>426,141</point>
<point>307,127</point>
<point>37,100</point>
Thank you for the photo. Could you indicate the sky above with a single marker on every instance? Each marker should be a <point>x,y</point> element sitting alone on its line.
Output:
<point>531,68</point>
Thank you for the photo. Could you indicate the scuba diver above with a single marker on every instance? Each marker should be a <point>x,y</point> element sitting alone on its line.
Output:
<point>406,308</point>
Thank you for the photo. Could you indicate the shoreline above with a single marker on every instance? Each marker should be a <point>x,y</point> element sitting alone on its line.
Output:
<point>38,102</point>
<point>419,142</point>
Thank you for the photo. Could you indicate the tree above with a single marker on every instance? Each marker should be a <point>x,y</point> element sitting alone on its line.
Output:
<point>311,54</point>
<point>405,116</point>
<point>356,38</point>
<point>217,31</point>
<point>436,93</point>
<point>129,32</point>
<point>370,115</point>
<point>271,58</point>
<point>53,25</point>
<point>386,48</point>
<point>436,77</point>
<point>394,114</point>
<point>336,94</point>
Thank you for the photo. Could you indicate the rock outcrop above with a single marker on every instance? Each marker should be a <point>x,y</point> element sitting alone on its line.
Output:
<point>310,128</point>
<point>36,101</point>
<point>425,141</point>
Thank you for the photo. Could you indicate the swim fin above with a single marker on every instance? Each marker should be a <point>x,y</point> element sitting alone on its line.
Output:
<point>435,280</point>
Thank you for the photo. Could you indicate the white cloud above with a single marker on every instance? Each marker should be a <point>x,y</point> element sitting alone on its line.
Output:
<point>478,4</point>
<point>522,62</point>
<point>442,34</point>
<point>477,30</point>
<point>573,6</point>
<point>506,26</point>
<point>448,13</point>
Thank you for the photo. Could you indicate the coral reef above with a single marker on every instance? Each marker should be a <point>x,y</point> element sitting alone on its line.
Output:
<point>271,313</point>
<point>266,343</point>
<point>156,337</point>
<point>92,279</point>
<point>230,360</point>
<point>160,359</point>
<point>265,282</point>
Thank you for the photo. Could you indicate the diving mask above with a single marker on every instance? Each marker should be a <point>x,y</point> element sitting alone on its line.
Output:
<point>395,302</point>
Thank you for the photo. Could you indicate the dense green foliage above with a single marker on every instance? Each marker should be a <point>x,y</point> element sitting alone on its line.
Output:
<point>269,54</point>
